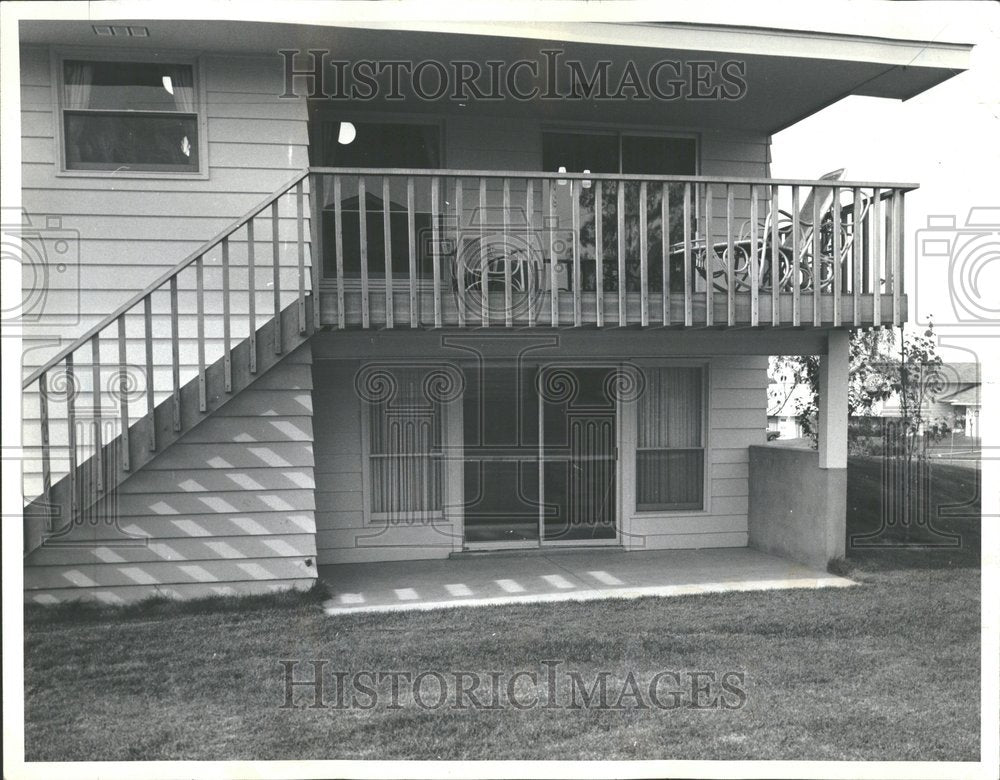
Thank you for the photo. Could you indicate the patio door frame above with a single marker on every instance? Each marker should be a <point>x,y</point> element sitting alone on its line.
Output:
<point>537,364</point>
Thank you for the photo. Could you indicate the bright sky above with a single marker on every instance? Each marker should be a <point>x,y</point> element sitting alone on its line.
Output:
<point>947,140</point>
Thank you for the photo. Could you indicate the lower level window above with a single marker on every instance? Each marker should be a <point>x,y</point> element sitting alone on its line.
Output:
<point>405,446</point>
<point>670,449</point>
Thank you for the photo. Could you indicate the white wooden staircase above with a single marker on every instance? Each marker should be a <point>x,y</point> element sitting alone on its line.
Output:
<point>96,472</point>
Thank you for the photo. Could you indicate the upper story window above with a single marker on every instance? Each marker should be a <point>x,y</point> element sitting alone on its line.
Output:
<point>614,152</point>
<point>347,144</point>
<point>129,116</point>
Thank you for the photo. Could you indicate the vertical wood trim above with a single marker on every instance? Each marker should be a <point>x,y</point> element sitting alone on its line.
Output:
<point>95,372</point>
<point>484,277</point>
<point>199,275</point>
<point>123,395</point>
<point>574,195</point>
<point>817,257</point>
<point>796,259</point>
<point>436,248</point>
<point>43,420</point>
<point>459,270</point>
<point>317,249</point>
<point>508,293</point>
<point>71,437</point>
<point>754,257</point>
<point>643,257</point>
<point>621,254</point>
<point>338,246</point>
<point>387,244</point>
<point>175,355</point>
<point>541,465</point>
<point>533,281</point>
<point>411,237</point>
<point>599,250</point>
<point>276,275</point>
<point>252,296</point>
<point>856,276</point>
<point>665,251</point>
<point>775,258</point>
<point>731,265</point>
<point>363,247</point>
<point>227,336</point>
<point>553,282</point>
<point>837,220</point>
<point>688,286</point>
<point>709,257</point>
<point>147,313</point>
<point>898,287</point>
<point>300,245</point>
<point>877,255</point>
<point>890,245</point>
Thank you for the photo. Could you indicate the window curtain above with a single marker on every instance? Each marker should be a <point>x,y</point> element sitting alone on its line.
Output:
<point>405,437</point>
<point>78,77</point>
<point>669,450</point>
<point>182,79</point>
<point>670,409</point>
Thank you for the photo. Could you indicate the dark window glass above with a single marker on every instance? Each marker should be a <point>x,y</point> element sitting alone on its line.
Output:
<point>599,153</point>
<point>659,156</point>
<point>382,145</point>
<point>375,239</point>
<point>578,152</point>
<point>130,116</point>
<point>108,141</point>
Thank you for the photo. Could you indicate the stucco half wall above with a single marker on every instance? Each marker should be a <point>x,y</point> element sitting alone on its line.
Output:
<point>797,510</point>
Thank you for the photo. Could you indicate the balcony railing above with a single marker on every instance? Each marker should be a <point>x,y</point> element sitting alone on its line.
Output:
<point>419,248</point>
<point>435,248</point>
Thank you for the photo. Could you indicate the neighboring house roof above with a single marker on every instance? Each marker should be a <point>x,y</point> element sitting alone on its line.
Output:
<point>962,373</point>
<point>967,397</point>
<point>959,387</point>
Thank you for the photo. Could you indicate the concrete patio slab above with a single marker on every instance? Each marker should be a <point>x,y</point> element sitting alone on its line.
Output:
<point>564,575</point>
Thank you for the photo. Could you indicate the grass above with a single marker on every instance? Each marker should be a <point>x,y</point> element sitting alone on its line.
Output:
<point>887,670</point>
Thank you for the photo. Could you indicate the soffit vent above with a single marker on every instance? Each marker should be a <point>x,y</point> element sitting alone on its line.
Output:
<point>120,31</point>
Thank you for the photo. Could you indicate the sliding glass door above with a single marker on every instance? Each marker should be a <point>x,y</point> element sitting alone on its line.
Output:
<point>540,456</point>
<point>579,447</point>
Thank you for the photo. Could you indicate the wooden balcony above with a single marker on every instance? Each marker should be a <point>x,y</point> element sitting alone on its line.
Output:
<point>530,249</point>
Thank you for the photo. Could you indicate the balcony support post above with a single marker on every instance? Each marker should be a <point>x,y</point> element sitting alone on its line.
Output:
<point>834,371</point>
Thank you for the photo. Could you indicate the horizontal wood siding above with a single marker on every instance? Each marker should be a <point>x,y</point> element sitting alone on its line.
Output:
<point>737,419</point>
<point>125,232</point>
<point>132,230</point>
<point>228,508</point>
<point>734,154</point>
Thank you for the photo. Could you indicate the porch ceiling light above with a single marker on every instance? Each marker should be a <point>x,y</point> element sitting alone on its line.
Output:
<point>347,133</point>
<point>168,84</point>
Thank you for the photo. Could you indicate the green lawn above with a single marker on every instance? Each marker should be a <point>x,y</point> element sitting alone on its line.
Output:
<point>887,670</point>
